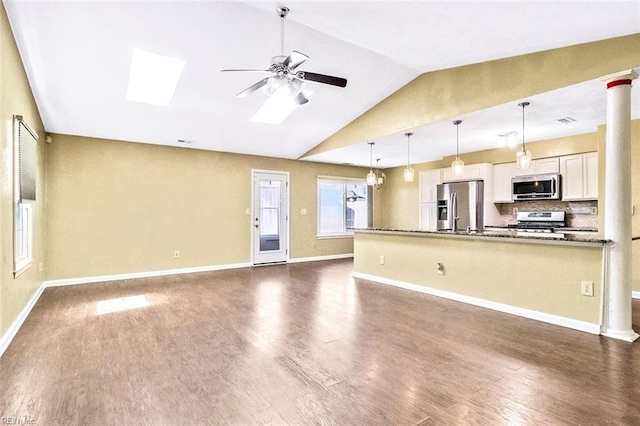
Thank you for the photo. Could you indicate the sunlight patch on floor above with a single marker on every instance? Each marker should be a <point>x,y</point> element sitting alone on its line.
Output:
<point>121,304</point>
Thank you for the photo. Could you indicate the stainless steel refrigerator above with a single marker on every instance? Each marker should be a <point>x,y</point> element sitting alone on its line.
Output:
<point>460,206</point>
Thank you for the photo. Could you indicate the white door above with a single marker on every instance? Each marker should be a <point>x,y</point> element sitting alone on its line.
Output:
<point>270,217</point>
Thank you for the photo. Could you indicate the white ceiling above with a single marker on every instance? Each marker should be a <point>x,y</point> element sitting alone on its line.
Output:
<point>77,56</point>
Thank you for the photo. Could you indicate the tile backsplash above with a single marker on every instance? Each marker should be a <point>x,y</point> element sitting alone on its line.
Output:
<point>578,212</point>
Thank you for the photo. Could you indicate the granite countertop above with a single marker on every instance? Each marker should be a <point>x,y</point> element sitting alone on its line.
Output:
<point>501,233</point>
<point>560,228</point>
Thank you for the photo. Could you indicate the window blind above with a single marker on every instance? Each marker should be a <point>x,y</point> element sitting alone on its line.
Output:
<point>27,161</point>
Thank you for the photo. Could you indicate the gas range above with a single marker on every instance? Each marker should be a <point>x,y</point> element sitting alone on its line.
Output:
<point>539,224</point>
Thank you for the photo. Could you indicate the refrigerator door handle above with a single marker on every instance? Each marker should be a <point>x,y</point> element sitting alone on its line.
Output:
<point>454,211</point>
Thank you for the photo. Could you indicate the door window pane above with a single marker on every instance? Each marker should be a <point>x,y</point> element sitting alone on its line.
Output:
<point>269,215</point>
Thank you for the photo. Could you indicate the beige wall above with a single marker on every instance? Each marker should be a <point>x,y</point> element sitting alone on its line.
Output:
<point>445,94</point>
<point>16,98</point>
<point>117,207</point>
<point>518,279</point>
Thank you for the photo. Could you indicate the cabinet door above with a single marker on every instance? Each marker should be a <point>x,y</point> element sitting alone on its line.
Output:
<point>590,175</point>
<point>471,171</point>
<point>571,168</point>
<point>502,174</point>
<point>428,215</point>
<point>547,165</point>
<point>427,185</point>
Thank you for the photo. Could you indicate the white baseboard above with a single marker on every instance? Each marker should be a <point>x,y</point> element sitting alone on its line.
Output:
<point>501,307</point>
<point>635,294</point>
<point>118,277</point>
<point>17,323</point>
<point>316,258</point>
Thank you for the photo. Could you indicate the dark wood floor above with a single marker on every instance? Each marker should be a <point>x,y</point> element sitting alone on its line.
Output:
<point>304,344</point>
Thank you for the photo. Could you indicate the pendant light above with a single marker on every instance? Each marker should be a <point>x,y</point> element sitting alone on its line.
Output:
<point>380,177</point>
<point>408,172</point>
<point>371,177</point>
<point>457,166</point>
<point>523,157</point>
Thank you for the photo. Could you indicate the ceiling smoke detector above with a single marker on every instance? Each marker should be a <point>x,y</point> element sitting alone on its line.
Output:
<point>567,120</point>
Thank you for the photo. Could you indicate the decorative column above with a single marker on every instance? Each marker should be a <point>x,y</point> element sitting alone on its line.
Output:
<point>617,209</point>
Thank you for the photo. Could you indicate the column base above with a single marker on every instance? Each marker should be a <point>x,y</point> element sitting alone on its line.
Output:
<point>627,336</point>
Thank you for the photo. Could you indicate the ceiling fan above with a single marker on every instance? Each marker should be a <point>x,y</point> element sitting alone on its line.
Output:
<point>286,78</point>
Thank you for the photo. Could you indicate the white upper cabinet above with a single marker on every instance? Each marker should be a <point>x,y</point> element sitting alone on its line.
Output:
<point>538,167</point>
<point>547,165</point>
<point>502,174</point>
<point>579,176</point>
<point>471,171</point>
<point>590,176</point>
<point>427,185</point>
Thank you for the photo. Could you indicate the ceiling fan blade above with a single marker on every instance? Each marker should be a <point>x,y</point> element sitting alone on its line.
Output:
<point>252,88</point>
<point>321,78</point>
<point>295,59</point>
<point>300,99</point>
<point>234,70</point>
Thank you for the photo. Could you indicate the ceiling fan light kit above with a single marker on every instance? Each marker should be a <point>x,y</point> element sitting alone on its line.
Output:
<point>286,82</point>
<point>523,157</point>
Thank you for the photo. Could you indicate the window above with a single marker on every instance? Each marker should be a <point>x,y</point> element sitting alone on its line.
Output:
<point>24,194</point>
<point>343,205</point>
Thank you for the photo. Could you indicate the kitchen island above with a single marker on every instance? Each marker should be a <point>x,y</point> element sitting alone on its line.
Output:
<point>535,277</point>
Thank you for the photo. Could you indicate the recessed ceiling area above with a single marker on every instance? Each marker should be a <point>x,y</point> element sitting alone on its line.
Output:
<point>77,55</point>
<point>586,103</point>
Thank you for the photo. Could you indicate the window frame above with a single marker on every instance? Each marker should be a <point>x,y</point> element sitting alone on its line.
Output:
<point>23,210</point>
<point>345,181</point>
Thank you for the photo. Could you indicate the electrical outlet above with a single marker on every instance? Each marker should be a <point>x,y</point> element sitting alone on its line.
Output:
<point>41,267</point>
<point>440,268</point>
<point>586,288</point>
<point>382,259</point>
<point>176,254</point>
<point>515,210</point>
<point>247,211</point>
<point>303,211</point>
<point>594,210</point>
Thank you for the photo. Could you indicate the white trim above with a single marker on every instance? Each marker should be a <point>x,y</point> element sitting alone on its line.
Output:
<point>316,258</point>
<point>635,294</point>
<point>17,323</point>
<point>513,310</point>
<point>106,278</point>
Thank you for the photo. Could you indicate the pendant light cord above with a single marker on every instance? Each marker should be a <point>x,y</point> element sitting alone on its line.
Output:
<point>458,141</point>
<point>457,123</point>
<point>523,105</point>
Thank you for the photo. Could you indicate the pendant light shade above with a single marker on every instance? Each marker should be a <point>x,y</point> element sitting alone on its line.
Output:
<point>380,177</point>
<point>523,157</point>
<point>408,172</point>
<point>371,177</point>
<point>457,166</point>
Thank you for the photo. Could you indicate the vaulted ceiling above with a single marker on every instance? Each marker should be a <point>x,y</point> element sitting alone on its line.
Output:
<point>77,55</point>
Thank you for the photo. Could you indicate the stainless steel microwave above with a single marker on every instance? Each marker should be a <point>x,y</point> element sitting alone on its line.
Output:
<point>536,187</point>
